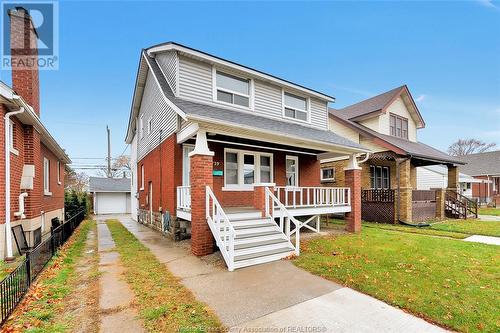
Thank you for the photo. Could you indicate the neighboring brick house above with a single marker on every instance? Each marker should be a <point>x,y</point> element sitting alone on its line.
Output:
<point>388,124</point>
<point>223,149</point>
<point>36,163</point>
<point>486,168</point>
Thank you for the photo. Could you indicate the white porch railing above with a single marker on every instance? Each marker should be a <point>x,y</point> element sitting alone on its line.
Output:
<point>284,219</point>
<point>301,197</point>
<point>221,228</point>
<point>184,197</point>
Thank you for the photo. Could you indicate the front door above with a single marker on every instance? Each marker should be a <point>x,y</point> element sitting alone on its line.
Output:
<point>186,165</point>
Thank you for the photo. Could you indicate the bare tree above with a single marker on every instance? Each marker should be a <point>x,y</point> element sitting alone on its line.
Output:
<point>77,181</point>
<point>119,168</point>
<point>469,146</point>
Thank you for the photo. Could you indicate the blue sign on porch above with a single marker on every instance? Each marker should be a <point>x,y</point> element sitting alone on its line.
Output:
<point>217,172</point>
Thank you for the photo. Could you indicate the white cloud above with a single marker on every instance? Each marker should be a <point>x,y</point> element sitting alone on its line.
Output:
<point>487,3</point>
<point>420,98</point>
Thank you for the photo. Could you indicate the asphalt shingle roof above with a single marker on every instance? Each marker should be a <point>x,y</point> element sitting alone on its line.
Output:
<point>246,119</point>
<point>99,184</point>
<point>481,164</point>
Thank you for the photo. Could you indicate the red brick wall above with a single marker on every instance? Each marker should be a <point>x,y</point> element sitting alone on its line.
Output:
<point>33,155</point>
<point>3,110</point>
<point>16,166</point>
<point>56,200</point>
<point>163,168</point>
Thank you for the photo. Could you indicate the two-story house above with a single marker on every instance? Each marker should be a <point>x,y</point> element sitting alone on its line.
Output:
<point>32,163</point>
<point>387,124</point>
<point>234,153</point>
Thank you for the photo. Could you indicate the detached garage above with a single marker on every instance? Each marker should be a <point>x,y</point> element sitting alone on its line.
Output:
<point>110,195</point>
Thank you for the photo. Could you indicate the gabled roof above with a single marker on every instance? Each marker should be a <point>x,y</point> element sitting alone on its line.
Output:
<point>203,112</point>
<point>481,164</point>
<point>9,97</point>
<point>399,145</point>
<point>378,104</point>
<point>101,184</point>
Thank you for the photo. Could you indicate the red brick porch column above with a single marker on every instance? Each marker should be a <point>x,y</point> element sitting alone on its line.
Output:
<point>201,159</point>
<point>259,197</point>
<point>352,176</point>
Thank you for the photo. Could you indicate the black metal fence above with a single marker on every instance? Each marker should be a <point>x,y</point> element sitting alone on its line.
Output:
<point>17,283</point>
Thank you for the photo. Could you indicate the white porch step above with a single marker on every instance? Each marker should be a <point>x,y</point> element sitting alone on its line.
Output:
<point>245,232</point>
<point>242,216</point>
<point>259,248</point>
<point>261,258</point>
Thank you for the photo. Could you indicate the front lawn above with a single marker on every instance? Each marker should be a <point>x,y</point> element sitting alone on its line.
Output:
<point>489,211</point>
<point>450,282</point>
<point>469,227</point>
<point>165,305</point>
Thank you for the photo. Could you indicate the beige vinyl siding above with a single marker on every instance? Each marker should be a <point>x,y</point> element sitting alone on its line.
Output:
<point>195,79</point>
<point>267,100</point>
<point>367,143</point>
<point>319,111</point>
<point>399,108</point>
<point>372,123</point>
<point>163,117</point>
<point>342,130</point>
<point>168,62</point>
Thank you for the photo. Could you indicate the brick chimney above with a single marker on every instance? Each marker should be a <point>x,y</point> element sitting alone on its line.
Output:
<point>24,55</point>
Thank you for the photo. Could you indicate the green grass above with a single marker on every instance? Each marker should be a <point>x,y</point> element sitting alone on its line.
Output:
<point>415,230</point>
<point>469,227</point>
<point>44,301</point>
<point>165,305</point>
<point>447,281</point>
<point>489,211</point>
<point>6,268</point>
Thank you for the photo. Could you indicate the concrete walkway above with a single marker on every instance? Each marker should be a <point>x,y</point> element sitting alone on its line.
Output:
<point>491,218</point>
<point>275,295</point>
<point>115,296</point>
<point>483,239</point>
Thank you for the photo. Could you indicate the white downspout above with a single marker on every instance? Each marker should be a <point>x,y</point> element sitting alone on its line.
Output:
<point>8,231</point>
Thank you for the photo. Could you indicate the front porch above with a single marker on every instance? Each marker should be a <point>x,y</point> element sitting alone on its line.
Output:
<point>251,198</point>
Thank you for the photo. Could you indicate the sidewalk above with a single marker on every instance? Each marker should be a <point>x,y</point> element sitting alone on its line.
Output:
<point>275,295</point>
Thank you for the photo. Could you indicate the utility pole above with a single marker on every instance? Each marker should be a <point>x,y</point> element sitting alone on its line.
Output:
<point>109,151</point>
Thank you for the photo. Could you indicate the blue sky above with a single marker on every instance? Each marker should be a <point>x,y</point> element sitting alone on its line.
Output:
<point>447,52</point>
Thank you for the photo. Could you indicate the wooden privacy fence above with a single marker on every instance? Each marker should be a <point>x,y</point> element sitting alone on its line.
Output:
<point>377,205</point>
<point>423,205</point>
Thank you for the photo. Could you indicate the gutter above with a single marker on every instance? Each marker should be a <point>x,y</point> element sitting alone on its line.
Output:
<point>8,231</point>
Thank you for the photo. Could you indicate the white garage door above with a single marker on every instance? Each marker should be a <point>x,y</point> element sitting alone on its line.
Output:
<point>111,203</point>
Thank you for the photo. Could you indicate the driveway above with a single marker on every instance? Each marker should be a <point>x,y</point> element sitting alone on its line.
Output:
<point>276,295</point>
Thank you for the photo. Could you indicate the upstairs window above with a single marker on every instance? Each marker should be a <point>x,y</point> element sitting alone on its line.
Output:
<point>232,90</point>
<point>295,107</point>
<point>150,125</point>
<point>141,126</point>
<point>399,126</point>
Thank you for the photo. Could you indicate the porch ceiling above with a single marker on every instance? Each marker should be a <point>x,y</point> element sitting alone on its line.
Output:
<point>285,139</point>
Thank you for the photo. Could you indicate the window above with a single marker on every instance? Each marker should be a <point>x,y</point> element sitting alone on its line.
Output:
<point>141,126</point>
<point>399,126</point>
<point>150,125</point>
<point>292,171</point>
<point>142,177</point>
<point>244,168</point>
<point>328,174</point>
<point>295,106</point>
<point>46,176</point>
<point>232,90</point>
<point>58,172</point>
<point>12,129</point>
<point>380,177</point>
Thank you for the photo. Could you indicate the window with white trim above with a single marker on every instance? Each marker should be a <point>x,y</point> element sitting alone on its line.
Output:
<point>150,125</point>
<point>141,126</point>
<point>328,174</point>
<point>295,107</point>
<point>399,126</point>
<point>243,169</point>
<point>12,128</point>
<point>292,170</point>
<point>46,176</point>
<point>142,177</point>
<point>58,172</point>
<point>231,89</point>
